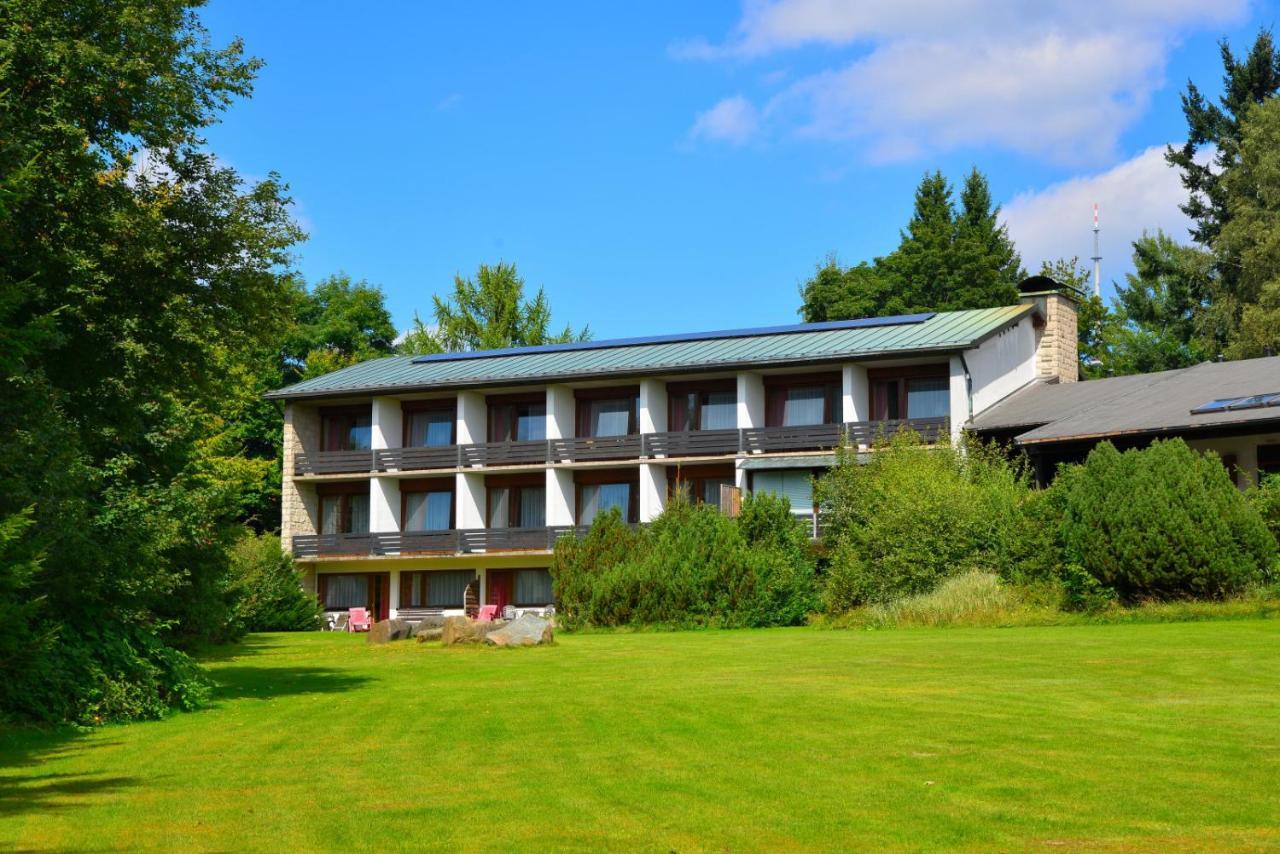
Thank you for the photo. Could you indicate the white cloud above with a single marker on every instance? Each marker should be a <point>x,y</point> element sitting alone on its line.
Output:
<point>733,120</point>
<point>1141,194</point>
<point>1060,79</point>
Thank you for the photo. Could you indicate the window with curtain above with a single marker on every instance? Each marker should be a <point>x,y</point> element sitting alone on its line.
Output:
<point>344,514</point>
<point>445,588</point>
<point>611,417</point>
<point>928,397</point>
<point>517,422</point>
<point>710,489</point>
<point>430,428</point>
<point>533,587</point>
<point>357,514</point>
<point>599,498</point>
<point>517,507</point>
<point>347,432</point>
<point>719,411</point>
<point>804,405</point>
<point>796,485</point>
<point>428,511</point>
<point>346,591</point>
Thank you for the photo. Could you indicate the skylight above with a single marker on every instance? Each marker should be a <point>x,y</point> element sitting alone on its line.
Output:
<point>1232,404</point>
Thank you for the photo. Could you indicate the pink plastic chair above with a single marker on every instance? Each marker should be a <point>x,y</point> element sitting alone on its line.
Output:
<point>358,620</point>
<point>487,613</point>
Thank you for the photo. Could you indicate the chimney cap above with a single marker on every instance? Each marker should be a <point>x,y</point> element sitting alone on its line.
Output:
<point>1040,285</point>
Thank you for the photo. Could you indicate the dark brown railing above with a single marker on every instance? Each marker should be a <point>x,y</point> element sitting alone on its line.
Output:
<point>594,448</point>
<point>456,541</point>
<point>752,440</point>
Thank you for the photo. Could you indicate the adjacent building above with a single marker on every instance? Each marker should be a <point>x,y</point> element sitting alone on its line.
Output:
<point>408,478</point>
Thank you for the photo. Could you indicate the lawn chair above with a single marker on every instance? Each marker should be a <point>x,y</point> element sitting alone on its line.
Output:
<point>508,613</point>
<point>487,613</point>
<point>358,620</point>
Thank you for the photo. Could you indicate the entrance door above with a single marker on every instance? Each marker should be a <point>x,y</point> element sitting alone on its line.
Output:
<point>499,588</point>
<point>380,595</point>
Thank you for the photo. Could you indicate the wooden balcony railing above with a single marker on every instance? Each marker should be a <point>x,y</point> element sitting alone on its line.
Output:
<point>753,440</point>
<point>450,542</point>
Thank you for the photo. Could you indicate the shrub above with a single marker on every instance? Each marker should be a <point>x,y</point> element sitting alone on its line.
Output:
<point>270,597</point>
<point>969,599</point>
<point>692,566</point>
<point>1265,498</point>
<point>1164,522</point>
<point>910,517</point>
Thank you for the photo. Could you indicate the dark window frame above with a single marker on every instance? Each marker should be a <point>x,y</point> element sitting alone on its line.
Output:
<point>678,395</point>
<point>584,397</point>
<point>896,380</point>
<point>438,484</point>
<point>409,408</point>
<point>776,387</point>
<point>343,419</point>
<point>605,478</point>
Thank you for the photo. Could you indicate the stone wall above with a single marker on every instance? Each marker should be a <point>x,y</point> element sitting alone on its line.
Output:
<point>1057,345</point>
<point>298,505</point>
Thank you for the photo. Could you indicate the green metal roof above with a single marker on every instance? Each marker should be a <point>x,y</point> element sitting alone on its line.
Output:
<point>941,332</point>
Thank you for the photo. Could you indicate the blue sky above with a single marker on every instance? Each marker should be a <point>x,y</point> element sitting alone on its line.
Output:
<point>672,166</point>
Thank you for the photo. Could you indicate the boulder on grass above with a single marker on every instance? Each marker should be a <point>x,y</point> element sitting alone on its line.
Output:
<point>385,631</point>
<point>466,630</point>
<point>428,633</point>
<point>525,630</point>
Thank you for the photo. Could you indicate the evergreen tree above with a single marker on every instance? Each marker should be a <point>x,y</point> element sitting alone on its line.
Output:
<point>947,260</point>
<point>491,313</point>
<point>1246,82</point>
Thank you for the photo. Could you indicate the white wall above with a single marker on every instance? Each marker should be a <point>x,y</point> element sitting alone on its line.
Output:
<point>387,423</point>
<point>653,406</point>
<point>561,408</point>
<point>1001,365</point>
<point>561,497</point>
<point>960,413</point>
<point>855,394</point>
<point>470,497</point>
<point>653,491</point>
<point>1245,449</point>
<point>750,399</point>
<point>384,505</point>
<point>473,418</point>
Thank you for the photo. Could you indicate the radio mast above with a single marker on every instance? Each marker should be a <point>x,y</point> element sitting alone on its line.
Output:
<point>1097,256</point>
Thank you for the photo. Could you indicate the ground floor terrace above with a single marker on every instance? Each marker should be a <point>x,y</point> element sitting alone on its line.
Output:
<point>411,590</point>
<point>1120,737</point>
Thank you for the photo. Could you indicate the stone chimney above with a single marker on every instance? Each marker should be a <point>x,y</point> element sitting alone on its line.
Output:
<point>1057,340</point>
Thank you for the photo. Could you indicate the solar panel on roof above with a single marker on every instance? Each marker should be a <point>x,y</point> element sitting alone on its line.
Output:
<point>861,323</point>
<point>1214,406</point>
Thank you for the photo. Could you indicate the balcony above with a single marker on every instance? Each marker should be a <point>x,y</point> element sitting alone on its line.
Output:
<point>451,542</point>
<point>693,443</point>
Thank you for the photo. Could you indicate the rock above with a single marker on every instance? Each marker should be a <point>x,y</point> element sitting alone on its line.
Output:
<point>429,626</point>
<point>430,633</point>
<point>526,630</point>
<point>385,631</point>
<point>466,630</point>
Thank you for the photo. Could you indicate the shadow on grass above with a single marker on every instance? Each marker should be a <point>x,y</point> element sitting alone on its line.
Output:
<point>247,646</point>
<point>264,683</point>
<point>22,793</point>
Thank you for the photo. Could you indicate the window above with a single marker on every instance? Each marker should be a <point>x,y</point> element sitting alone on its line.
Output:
<point>519,421</point>
<point>696,409</point>
<point>346,429</point>
<point>435,589</point>
<point>597,498</point>
<point>345,591</point>
<point>796,485</point>
<point>921,391</point>
<point>701,483</point>
<point>607,412</point>
<point>1268,459</point>
<point>517,506</point>
<point>429,428</point>
<point>428,511</point>
<point>802,400</point>
<point>346,513</point>
<point>533,588</point>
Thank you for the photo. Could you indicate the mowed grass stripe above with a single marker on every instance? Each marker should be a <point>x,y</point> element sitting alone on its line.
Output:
<point>1137,736</point>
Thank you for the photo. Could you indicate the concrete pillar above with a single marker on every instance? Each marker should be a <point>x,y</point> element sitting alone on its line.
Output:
<point>653,491</point>
<point>750,399</point>
<point>384,505</point>
<point>470,495</point>
<point>959,398</point>
<point>561,409</point>
<point>393,607</point>
<point>855,397</point>
<point>473,418</point>
<point>386,423</point>
<point>561,497</point>
<point>653,406</point>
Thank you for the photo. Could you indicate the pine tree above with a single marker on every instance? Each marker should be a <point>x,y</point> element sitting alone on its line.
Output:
<point>1245,83</point>
<point>919,270</point>
<point>986,267</point>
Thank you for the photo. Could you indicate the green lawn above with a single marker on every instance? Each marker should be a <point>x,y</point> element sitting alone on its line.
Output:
<point>1135,736</point>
